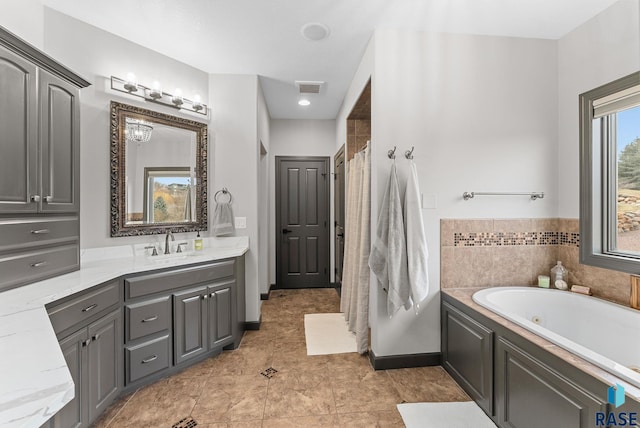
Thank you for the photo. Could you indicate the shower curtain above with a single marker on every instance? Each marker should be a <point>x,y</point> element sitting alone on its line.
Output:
<point>354,301</point>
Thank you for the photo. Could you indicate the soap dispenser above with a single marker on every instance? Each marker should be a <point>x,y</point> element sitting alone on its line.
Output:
<point>197,243</point>
<point>560,276</point>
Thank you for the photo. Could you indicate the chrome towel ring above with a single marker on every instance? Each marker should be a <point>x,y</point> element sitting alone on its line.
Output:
<point>224,191</point>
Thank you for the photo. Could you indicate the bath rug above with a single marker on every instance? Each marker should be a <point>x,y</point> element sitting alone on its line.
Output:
<point>464,414</point>
<point>327,334</point>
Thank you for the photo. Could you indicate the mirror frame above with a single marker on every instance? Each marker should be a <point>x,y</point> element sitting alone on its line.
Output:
<point>118,167</point>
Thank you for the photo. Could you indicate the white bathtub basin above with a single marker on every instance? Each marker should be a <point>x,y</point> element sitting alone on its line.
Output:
<point>603,333</point>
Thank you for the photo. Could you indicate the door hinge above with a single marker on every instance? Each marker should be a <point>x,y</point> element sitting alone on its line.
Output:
<point>325,271</point>
<point>325,223</point>
<point>335,270</point>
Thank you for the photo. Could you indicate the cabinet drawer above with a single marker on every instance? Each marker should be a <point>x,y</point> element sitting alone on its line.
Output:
<point>30,266</point>
<point>81,308</point>
<point>23,233</point>
<point>148,317</point>
<point>166,281</point>
<point>147,358</point>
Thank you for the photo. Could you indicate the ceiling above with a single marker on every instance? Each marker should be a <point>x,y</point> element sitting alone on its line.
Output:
<point>263,36</point>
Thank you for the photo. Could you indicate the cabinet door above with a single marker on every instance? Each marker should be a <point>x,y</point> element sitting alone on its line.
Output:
<point>530,394</point>
<point>189,323</point>
<point>220,314</point>
<point>18,134</point>
<point>467,354</point>
<point>104,362</point>
<point>59,144</point>
<point>74,414</point>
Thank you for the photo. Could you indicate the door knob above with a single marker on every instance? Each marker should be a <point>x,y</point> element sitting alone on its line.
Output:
<point>285,231</point>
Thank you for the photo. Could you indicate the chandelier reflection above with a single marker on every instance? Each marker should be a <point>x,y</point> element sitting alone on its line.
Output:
<point>138,131</point>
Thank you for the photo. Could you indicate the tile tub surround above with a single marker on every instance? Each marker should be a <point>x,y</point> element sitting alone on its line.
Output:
<point>36,382</point>
<point>503,252</point>
<point>464,295</point>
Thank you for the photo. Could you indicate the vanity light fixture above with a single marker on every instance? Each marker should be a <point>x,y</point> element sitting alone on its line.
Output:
<point>155,94</point>
<point>177,97</point>
<point>304,102</point>
<point>156,90</point>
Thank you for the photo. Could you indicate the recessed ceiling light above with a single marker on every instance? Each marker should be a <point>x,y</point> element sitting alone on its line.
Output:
<point>314,31</point>
<point>304,102</point>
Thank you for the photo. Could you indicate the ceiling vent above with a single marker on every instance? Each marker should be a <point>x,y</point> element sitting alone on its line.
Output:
<point>309,87</point>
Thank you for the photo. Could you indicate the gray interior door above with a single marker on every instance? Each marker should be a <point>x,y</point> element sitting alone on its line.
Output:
<point>302,211</point>
<point>338,213</point>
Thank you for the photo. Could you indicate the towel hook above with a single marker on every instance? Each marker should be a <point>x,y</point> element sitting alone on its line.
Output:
<point>409,153</point>
<point>392,153</point>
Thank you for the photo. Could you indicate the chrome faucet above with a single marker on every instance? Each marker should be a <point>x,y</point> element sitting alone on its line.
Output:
<point>166,241</point>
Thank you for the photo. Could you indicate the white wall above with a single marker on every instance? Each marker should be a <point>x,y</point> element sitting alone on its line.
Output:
<point>601,50</point>
<point>96,55</point>
<point>482,114</point>
<point>298,138</point>
<point>25,19</point>
<point>233,133</point>
<point>264,217</point>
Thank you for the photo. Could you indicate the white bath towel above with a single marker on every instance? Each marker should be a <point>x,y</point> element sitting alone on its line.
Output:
<point>223,219</point>
<point>388,259</point>
<point>417,252</point>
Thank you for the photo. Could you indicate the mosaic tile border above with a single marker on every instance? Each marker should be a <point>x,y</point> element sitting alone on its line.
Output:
<point>503,239</point>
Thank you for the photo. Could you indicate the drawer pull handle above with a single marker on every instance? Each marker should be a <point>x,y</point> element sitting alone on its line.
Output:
<point>35,198</point>
<point>150,359</point>
<point>38,264</point>
<point>95,337</point>
<point>86,343</point>
<point>90,307</point>
<point>48,198</point>
<point>40,231</point>
<point>153,318</point>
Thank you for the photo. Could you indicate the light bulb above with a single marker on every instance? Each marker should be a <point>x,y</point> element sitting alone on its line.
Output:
<point>156,90</point>
<point>131,84</point>
<point>177,97</point>
<point>304,102</point>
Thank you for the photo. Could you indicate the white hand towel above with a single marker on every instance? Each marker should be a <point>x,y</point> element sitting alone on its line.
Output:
<point>417,253</point>
<point>223,219</point>
<point>388,259</point>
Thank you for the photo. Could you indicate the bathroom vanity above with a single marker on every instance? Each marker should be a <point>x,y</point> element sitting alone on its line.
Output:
<point>518,378</point>
<point>82,339</point>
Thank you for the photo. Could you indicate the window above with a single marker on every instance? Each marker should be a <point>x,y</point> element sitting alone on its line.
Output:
<point>610,175</point>
<point>168,195</point>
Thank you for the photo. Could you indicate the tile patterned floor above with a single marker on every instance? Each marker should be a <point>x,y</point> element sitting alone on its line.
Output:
<point>229,390</point>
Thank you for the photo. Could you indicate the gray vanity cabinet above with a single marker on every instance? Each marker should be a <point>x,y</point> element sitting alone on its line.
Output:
<point>190,323</point>
<point>39,164</point>
<point>467,354</point>
<point>90,330</point>
<point>220,308</point>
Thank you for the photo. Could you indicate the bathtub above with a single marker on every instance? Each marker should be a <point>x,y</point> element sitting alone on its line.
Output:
<point>603,333</point>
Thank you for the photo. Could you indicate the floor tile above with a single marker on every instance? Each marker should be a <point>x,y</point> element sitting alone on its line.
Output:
<point>299,393</point>
<point>227,390</point>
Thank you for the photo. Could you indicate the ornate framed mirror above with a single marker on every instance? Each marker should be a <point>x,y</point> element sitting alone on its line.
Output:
<point>158,172</point>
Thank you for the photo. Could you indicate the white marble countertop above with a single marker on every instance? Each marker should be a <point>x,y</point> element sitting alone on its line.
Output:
<point>35,382</point>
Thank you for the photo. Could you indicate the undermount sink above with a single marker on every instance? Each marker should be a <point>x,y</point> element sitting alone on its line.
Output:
<point>166,258</point>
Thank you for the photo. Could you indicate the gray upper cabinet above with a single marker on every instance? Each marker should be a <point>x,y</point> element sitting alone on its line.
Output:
<point>39,164</point>
<point>18,133</point>
<point>59,143</point>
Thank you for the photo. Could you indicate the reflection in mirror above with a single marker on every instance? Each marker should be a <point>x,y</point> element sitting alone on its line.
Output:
<point>610,175</point>
<point>158,172</point>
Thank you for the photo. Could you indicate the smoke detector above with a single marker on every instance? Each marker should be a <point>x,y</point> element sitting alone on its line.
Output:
<point>314,31</point>
<point>309,86</point>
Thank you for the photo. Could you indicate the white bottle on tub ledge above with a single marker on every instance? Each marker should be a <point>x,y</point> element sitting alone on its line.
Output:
<point>560,276</point>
